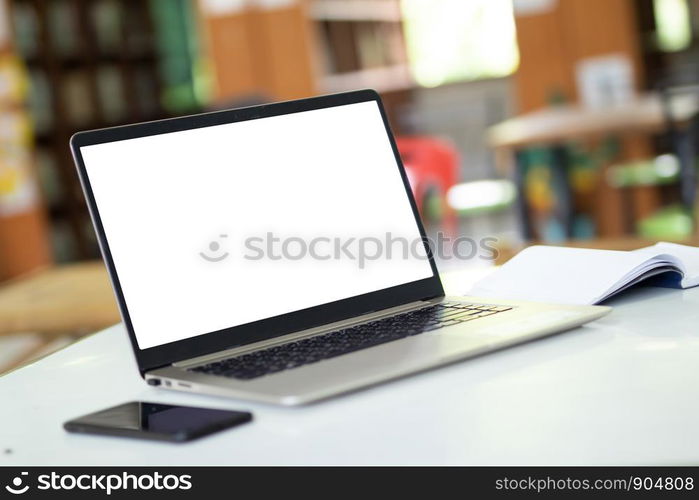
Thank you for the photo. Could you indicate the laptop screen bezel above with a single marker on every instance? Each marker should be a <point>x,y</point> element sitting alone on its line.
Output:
<point>236,336</point>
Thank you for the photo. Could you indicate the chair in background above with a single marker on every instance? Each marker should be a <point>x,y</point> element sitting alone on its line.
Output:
<point>432,167</point>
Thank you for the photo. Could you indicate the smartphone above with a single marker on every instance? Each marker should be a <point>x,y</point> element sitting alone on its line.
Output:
<point>157,421</point>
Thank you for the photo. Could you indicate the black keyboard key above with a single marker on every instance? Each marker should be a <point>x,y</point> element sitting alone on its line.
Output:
<point>312,350</point>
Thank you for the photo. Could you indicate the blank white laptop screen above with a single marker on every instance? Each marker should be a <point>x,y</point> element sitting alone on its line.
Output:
<point>225,225</point>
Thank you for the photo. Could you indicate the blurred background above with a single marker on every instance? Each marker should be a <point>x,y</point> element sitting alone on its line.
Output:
<point>560,121</point>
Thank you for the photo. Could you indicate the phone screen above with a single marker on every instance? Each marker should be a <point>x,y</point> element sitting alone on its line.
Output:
<point>157,421</point>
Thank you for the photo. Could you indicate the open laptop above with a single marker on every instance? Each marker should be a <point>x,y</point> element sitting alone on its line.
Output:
<point>275,253</point>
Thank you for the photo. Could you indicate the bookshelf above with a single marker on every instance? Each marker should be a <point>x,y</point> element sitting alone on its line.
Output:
<point>94,64</point>
<point>333,46</point>
<point>100,63</point>
<point>24,246</point>
<point>360,43</point>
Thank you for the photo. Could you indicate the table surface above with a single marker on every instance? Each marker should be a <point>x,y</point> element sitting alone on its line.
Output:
<point>67,299</point>
<point>621,390</point>
<point>566,122</point>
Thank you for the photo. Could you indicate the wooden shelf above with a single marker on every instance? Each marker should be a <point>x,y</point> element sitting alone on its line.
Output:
<point>75,62</point>
<point>70,88</point>
<point>385,79</point>
<point>356,10</point>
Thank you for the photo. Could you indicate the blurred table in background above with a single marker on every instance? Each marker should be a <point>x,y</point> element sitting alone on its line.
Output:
<point>568,122</point>
<point>53,307</point>
<point>555,126</point>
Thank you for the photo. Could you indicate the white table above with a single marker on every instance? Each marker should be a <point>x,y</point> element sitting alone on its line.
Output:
<point>622,390</point>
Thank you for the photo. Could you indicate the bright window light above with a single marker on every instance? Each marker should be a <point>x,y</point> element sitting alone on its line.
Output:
<point>453,40</point>
<point>480,194</point>
<point>673,24</point>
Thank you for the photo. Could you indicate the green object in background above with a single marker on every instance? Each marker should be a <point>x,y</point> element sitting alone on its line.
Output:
<point>177,44</point>
<point>433,207</point>
<point>669,223</point>
<point>664,169</point>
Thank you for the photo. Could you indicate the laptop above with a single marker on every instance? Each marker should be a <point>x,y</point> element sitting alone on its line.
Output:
<point>275,253</point>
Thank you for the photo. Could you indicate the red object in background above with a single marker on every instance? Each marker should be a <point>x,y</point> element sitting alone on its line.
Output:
<point>432,166</point>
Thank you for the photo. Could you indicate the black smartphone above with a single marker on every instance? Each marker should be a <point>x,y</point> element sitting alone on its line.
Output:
<point>157,421</point>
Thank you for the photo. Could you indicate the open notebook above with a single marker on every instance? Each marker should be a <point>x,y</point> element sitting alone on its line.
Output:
<point>586,276</point>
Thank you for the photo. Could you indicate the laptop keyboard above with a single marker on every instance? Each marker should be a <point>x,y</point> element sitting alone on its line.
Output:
<point>329,345</point>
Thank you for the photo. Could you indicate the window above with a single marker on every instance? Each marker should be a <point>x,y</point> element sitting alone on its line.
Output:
<point>453,40</point>
<point>674,30</point>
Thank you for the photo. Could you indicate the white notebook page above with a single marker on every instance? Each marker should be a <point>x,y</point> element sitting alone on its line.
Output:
<point>566,275</point>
